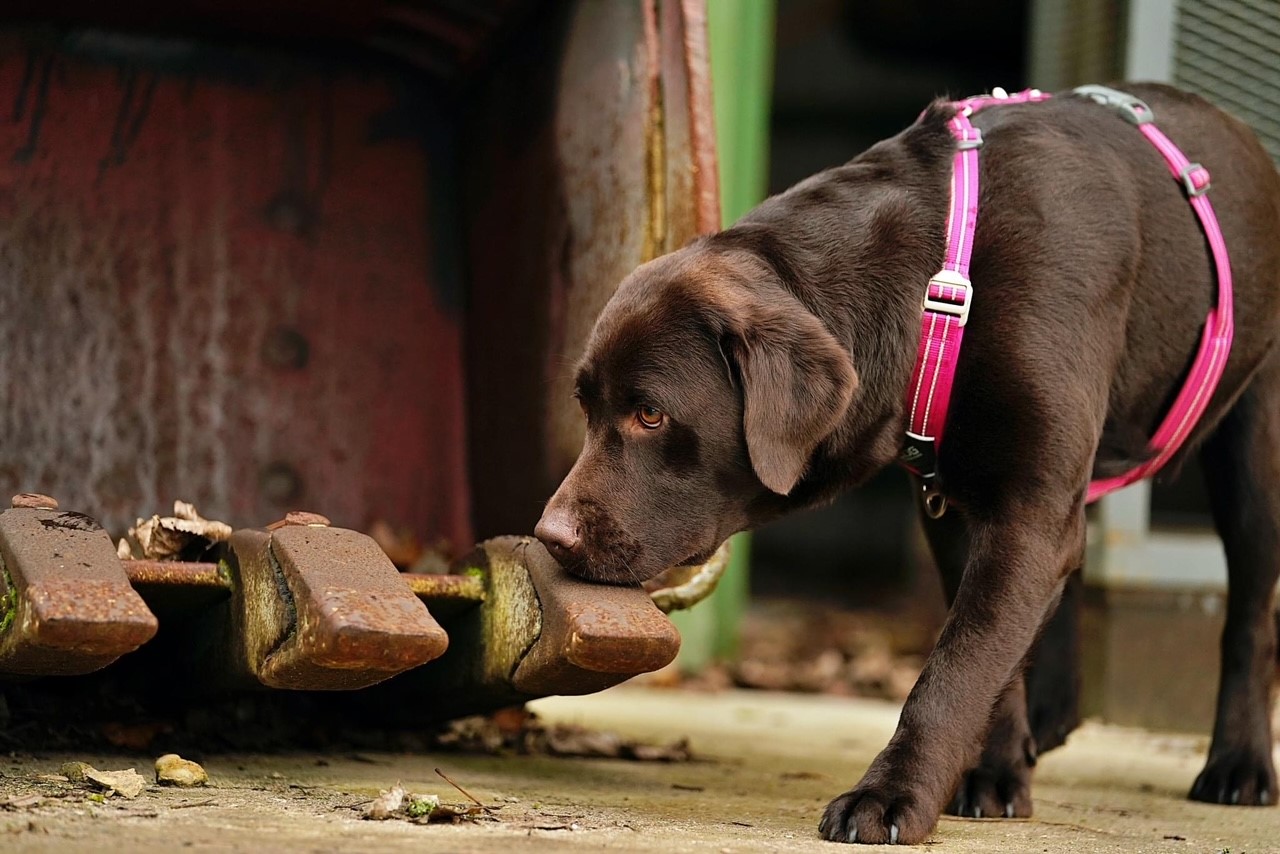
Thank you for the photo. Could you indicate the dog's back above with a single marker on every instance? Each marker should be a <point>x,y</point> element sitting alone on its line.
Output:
<point>1082,226</point>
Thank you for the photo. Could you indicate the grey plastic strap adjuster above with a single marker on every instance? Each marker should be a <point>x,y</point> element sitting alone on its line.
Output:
<point>1134,110</point>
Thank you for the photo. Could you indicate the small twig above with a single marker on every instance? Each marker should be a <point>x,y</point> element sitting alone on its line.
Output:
<point>206,803</point>
<point>470,796</point>
<point>352,806</point>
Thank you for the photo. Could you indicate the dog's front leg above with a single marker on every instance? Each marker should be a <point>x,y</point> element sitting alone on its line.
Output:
<point>1017,562</point>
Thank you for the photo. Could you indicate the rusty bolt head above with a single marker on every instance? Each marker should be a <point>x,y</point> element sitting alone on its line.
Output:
<point>35,500</point>
<point>300,518</point>
<point>285,348</point>
<point>280,483</point>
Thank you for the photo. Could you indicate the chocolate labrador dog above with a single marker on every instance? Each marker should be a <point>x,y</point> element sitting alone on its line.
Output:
<point>764,369</point>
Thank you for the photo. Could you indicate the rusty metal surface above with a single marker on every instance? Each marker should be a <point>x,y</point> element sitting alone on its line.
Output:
<point>175,216</point>
<point>692,169</point>
<point>591,151</point>
<point>320,608</point>
<point>179,591</point>
<point>486,644</point>
<point>537,632</point>
<point>593,636</point>
<point>445,37</point>
<point>249,265</point>
<point>609,149</point>
<point>69,608</point>
<point>173,573</point>
<point>446,596</point>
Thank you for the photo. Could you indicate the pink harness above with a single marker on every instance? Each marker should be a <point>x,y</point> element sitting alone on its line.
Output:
<point>950,294</point>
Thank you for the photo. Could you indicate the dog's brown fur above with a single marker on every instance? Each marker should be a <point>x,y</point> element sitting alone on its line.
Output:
<point>779,352</point>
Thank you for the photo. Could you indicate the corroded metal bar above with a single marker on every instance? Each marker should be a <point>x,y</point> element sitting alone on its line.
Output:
<point>319,608</point>
<point>537,631</point>
<point>176,573</point>
<point>593,636</point>
<point>68,607</point>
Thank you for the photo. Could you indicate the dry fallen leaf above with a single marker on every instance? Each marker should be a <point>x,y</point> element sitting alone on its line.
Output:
<point>167,537</point>
<point>387,803</point>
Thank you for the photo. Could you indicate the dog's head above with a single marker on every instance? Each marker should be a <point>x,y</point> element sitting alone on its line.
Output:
<point>706,387</point>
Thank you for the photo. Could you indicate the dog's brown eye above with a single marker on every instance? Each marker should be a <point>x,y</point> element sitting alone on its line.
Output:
<point>650,417</point>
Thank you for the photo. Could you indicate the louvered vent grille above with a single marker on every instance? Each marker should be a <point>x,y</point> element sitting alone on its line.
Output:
<point>1229,52</point>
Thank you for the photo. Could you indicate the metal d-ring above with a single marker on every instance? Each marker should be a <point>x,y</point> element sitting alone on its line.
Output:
<point>935,503</point>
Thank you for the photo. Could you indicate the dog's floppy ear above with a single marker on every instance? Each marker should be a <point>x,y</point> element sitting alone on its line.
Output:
<point>797,382</point>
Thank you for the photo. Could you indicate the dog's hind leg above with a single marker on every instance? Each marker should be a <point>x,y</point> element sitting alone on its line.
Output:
<point>1242,465</point>
<point>1054,671</point>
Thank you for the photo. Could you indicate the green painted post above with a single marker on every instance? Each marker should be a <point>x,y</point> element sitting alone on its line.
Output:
<point>741,34</point>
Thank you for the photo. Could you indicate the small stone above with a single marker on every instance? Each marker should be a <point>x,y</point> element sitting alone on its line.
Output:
<point>128,782</point>
<point>76,772</point>
<point>34,500</point>
<point>302,517</point>
<point>173,770</point>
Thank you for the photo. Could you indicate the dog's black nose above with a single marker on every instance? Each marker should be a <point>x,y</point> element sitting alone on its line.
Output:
<point>560,535</point>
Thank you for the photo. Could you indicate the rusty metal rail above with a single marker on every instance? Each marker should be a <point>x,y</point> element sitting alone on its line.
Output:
<point>302,605</point>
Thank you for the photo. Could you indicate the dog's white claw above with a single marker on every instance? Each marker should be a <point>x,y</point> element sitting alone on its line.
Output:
<point>1008,810</point>
<point>1235,796</point>
<point>977,812</point>
<point>893,834</point>
<point>1264,797</point>
<point>853,835</point>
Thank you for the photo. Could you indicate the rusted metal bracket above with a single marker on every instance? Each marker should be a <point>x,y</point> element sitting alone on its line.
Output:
<point>593,636</point>
<point>67,606</point>
<point>537,632</point>
<point>320,608</point>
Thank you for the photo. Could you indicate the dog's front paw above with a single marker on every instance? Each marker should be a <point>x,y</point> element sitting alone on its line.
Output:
<point>1242,776</point>
<point>998,787</point>
<point>875,816</point>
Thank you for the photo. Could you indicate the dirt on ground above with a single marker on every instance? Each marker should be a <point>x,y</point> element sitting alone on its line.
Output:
<point>760,768</point>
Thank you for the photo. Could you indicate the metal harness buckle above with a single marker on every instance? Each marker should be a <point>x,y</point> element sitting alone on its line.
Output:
<point>950,279</point>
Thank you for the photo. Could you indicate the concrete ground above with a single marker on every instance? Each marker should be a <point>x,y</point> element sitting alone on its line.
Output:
<point>766,765</point>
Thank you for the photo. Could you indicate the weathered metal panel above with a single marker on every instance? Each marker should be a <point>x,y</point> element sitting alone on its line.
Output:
<point>614,164</point>
<point>218,282</point>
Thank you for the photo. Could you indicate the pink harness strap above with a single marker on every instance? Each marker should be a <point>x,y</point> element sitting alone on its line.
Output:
<point>949,295</point>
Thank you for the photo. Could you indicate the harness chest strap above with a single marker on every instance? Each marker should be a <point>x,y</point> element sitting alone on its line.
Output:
<point>949,296</point>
